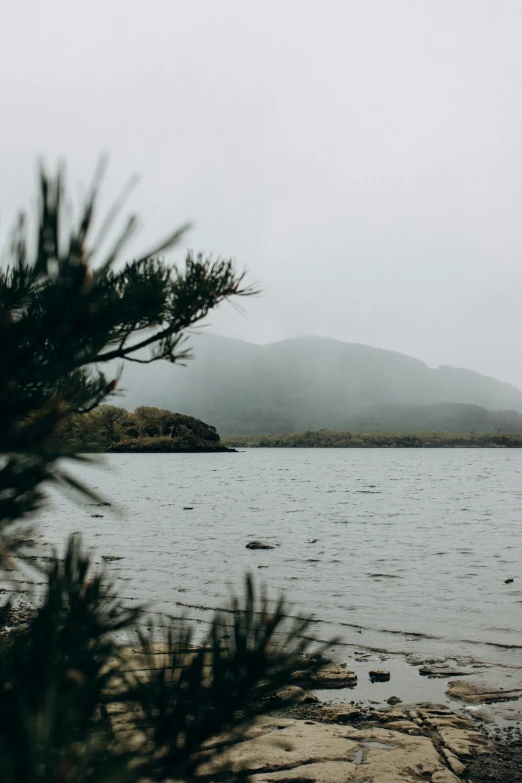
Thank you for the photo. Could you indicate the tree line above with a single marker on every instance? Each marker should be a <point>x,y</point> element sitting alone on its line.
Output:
<point>379,440</point>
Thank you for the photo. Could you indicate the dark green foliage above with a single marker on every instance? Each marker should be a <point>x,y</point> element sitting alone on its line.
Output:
<point>113,419</point>
<point>375,440</point>
<point>63,678</point>
<point>109,428</point>
<point>55,677</point>
<point>69,312</point>
<point>165,445</point>
<point>249,653</point>
<point>155,422</point>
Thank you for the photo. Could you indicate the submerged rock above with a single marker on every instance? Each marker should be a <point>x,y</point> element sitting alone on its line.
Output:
<point>441,673</point>
<point>259,545</point>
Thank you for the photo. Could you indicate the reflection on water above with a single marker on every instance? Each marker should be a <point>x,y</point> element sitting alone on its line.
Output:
<point>405,683</point>
<point>392,549</point>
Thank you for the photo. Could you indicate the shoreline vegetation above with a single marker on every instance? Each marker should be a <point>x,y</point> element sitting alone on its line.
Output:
<point>111,429</point>
<point>376,440</point>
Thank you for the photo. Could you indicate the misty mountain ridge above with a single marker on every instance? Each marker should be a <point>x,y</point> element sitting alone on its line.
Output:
<point>317,382</point>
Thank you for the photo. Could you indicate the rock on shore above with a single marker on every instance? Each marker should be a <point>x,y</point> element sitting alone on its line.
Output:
<point>403,746</point>
<point>331,675</point>
<point>473,694</point>
<point>307,741</point>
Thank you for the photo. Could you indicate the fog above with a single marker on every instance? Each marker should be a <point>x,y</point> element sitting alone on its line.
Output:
<point>361,159</point>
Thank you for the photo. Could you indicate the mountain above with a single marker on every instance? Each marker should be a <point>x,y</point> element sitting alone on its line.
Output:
<point>314,383</point>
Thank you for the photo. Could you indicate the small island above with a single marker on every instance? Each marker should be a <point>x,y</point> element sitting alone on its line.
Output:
<point>110,428</point>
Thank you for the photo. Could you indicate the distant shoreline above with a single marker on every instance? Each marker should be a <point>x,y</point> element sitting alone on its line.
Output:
<point>354,440</point>
<point>165,448</point>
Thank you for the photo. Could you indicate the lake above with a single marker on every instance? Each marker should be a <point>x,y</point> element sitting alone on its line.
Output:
<point>391,549</point>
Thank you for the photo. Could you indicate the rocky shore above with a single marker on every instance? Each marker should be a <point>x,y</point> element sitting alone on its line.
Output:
<point>331,745</point>
<point>412,744</point>
<point>308,741</point>
<point>306,737</point>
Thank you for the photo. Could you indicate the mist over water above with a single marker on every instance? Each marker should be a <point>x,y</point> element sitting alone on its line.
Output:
<point>400,550</point>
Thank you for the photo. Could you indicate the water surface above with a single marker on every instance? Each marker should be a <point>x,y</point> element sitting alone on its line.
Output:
<point>393,549</point>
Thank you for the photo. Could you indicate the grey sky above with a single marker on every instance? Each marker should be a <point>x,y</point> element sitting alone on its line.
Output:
<point>362,159</point>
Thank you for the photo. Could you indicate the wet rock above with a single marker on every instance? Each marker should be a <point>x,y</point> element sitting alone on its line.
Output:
<point>15,618</point>
<point>379,675</point>
<point>339,713</point>
<point>331,676</point>
<point>473,694</point>
<point>394,700</point>
<point>434,673</point>
<point>259,545</point>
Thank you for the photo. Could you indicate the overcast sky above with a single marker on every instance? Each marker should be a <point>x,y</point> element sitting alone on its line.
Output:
<point>361,158</point>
